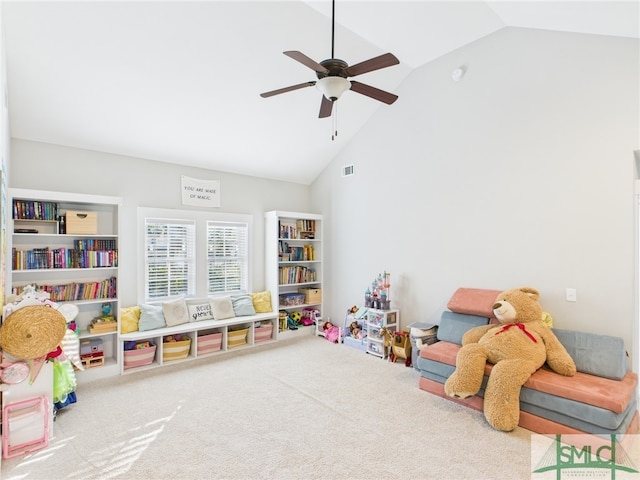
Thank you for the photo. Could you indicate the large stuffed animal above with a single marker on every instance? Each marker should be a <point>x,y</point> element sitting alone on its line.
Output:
<point>517,347</point>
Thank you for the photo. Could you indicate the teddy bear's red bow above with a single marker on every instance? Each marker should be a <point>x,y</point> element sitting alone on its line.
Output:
<point>521,327</point>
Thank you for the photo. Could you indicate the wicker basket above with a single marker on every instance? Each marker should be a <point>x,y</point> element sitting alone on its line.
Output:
<point>209,343</point>
<point>139,357</point>
<point>176,350</point>
<point>236,338</point>
<point>262,333</point>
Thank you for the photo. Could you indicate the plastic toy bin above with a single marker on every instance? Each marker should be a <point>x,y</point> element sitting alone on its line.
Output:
<point>291,299</point>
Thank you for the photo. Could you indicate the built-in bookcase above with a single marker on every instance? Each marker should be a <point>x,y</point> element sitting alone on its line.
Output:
<point>293,263</point>
<point>74,262</point>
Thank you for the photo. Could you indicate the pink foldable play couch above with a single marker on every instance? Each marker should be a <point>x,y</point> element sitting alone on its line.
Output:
<point>601,398</point>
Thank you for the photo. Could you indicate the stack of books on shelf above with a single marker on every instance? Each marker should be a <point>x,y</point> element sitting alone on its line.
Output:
<point>294,253</point>
<point>299,229</point>
<point>78,291</point>
<point>37,258</point>
<point>32,210</point>
<point>296,274</point>
<point>306,228</point>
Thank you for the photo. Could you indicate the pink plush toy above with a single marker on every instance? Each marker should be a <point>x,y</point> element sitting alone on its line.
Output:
<point>331,332</point>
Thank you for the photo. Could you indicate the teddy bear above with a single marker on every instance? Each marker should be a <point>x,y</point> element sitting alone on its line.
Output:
<point>518,346</point>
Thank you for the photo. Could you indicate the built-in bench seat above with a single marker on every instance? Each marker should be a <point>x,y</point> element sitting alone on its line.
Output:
<point>152,336</point>
<point>201,325</point>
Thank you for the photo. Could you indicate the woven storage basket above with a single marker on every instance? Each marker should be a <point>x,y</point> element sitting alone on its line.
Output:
<point>32,332</point>
<point>235,338</point>
<point>176,350</point>
<point>139,357</point>
<point>209,343</point>
<point>262,333</point>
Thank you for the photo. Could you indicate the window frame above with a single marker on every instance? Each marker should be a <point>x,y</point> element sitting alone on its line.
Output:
<point>187,260</point>
<point>240,260</point>
<point>201,246</point>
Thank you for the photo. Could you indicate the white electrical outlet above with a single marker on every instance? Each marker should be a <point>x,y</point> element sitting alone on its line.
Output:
<point>571,295</point>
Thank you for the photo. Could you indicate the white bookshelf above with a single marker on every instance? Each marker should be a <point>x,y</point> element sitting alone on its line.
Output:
<point>46,234</point>
<point>286,273</point>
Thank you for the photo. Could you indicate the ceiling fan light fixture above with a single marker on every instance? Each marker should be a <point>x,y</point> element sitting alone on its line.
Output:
<point>333,87</point>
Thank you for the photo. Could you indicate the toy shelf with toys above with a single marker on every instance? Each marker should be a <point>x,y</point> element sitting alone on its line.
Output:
<point>293,269</point>
<point>370,327</point>
<point>66,244</point>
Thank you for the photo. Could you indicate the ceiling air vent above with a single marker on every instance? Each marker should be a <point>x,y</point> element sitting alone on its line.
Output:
<point>347,170</point>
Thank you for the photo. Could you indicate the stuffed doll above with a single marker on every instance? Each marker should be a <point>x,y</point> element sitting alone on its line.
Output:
<point>331,332</point>
<point>517,347</point>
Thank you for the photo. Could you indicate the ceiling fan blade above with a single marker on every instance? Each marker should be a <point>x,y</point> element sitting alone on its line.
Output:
<point>287,89</point>
<point>375,93</point>
<point>376,63</point>
<point>306,61</point>
<point>325,107</point>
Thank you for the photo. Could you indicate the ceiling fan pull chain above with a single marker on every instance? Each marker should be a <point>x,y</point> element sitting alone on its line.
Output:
<point>334,120</point>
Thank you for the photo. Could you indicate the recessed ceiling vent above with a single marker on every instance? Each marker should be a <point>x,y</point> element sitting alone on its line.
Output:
<point>347,171</point>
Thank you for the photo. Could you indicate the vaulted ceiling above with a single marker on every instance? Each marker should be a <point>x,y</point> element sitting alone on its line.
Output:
<point>179,82</point>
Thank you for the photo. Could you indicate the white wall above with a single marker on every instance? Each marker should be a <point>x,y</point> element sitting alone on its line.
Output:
<point>148,183</point>
<point>520,174</point>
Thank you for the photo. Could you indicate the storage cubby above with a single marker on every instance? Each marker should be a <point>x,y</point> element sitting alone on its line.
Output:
<point>206,338</point>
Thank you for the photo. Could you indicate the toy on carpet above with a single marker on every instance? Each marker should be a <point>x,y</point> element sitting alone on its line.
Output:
<point>519,346</point>
<point>396,345</point>
<point>331,332</point>
<point>387,342</point>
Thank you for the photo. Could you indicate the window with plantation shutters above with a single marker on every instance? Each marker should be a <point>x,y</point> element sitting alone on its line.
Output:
<point>169,258</point>
<point>227,257</point>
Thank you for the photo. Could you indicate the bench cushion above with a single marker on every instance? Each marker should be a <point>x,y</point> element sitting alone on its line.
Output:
<point>593,390</point>
<point>600,355</point>
<point>474,301</point>
<point>454,325</point>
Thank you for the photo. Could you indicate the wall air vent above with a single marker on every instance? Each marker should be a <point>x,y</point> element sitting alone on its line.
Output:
<point>347,171</point>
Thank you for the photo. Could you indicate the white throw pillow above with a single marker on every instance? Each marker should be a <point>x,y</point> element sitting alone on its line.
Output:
<point>222,308</point>
<point>200,311</point>
<point>175,312</point>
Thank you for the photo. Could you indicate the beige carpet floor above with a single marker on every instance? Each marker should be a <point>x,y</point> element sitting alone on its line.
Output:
<point>299,409</point>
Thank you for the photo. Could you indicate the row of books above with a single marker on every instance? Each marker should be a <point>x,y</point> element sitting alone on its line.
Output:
<point>296,253</point>
<point>96,244</point>
<point>78,291</point>
<point>45,258</point>
<point>302,229</point>
<point>306,225</point>
<point>32,210</point>
<point>296,274</point>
